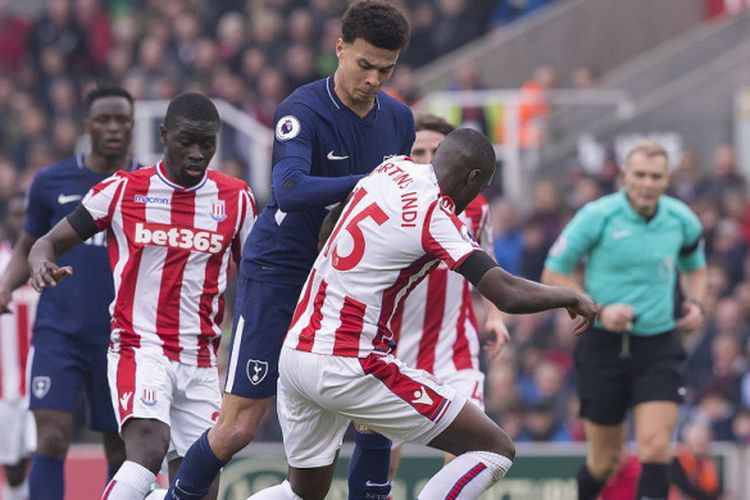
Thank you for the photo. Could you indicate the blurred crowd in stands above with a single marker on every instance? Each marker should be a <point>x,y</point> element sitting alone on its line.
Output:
<point>252,53</point>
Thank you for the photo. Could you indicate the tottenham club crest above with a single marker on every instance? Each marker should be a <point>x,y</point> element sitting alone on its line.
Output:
<point>287,128</point>
<point>40,386</point>
<point>218,211</point>
<point>256,371</point>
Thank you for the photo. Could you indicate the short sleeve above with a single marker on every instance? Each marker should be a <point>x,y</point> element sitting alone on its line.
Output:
<point>38,211</point>
<point>444,236</point>
<point>101,199</point>
<point>692,254</point>
<point>575,241</point>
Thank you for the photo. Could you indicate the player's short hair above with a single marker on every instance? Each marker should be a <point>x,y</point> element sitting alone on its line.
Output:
<point>472,146</point>
<point>106,91</point>
<point>648,148</point>
<point>376,22</point>
<point>433,123</point>
<point>191,106</point>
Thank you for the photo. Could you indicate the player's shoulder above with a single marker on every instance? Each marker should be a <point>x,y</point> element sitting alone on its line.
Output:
<point>306,97</point>
<point>226,181</point>
<point>604,206</point>
<point>60,168</point>
<point>679,210</point>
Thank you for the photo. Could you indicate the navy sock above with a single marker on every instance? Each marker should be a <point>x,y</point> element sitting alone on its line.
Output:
<point>47,478</point>
<point>589,487</point>
<point>198,470</point>
<point>368,469</point>
<point>654,481</point>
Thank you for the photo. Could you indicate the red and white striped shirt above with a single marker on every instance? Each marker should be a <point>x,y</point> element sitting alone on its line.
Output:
<point>394,230</point>
<point>436,329</point>
<point>170,247</point>
<point>15,335</point>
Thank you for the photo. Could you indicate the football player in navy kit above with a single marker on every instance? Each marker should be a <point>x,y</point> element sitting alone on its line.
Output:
<point>329,134</point>
<point>71,330</point>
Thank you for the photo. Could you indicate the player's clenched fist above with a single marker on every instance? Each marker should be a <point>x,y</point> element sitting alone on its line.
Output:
<point>49,275</point>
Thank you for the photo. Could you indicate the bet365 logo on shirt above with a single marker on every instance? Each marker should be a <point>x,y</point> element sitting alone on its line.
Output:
<point>178,237</point>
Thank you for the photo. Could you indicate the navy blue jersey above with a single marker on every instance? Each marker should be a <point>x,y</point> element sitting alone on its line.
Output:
<point>79,305</point>
<point>321,139</point>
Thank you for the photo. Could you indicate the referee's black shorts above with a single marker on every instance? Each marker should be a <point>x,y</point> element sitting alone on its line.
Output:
<point>609,383</point>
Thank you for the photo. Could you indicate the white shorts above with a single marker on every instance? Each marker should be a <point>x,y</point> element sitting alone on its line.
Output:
<point>469,384</point>
<point>147,384</point>
<point>18,436</point>
<point>318,395</point>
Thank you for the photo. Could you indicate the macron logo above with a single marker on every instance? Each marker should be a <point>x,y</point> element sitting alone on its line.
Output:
<point>421,397</point>
<point>124,400</point>
<point>332,156</point>
<point>151,200</point>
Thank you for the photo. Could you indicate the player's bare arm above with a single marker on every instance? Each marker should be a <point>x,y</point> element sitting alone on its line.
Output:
<point>694,285</point>
<point>17,272</point>
<point>519,296</point>
<point>69,232</point>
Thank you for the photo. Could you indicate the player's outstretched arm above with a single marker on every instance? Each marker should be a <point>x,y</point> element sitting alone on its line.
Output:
<point>17,271</point>
<point>61,238</point>
<point>518,295</point>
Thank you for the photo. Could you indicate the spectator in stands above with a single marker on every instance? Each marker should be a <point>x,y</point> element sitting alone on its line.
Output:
<point>508,236</point>
<point>695,473</point>
<point>507,11</point>
<point>586,77</point>
<point>724,175</point>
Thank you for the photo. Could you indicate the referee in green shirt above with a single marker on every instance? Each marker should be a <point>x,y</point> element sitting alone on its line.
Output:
<point>633,241</point>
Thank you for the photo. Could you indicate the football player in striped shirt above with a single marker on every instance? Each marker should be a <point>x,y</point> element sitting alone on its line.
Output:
<point>337,366</point>
<point>173,229</point>
<point>17,439</point>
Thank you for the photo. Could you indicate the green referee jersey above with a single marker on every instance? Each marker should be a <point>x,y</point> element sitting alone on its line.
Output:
<point>631,260</point>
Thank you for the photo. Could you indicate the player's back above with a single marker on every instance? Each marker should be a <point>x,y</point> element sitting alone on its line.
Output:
<point>316,128</point>
<point>389,236</point>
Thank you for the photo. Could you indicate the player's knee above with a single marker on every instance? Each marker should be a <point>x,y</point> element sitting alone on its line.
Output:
<point>501,444</point>
<point>53,439</point>
<point>606,464</point>
<point>655,449</point>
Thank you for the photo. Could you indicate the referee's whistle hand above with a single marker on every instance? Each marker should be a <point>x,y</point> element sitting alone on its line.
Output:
<point>617,317</point>
<point>692,319</point>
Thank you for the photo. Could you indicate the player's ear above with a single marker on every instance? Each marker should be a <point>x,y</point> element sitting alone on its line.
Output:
<point>339,47</point>
<point>163,134</point>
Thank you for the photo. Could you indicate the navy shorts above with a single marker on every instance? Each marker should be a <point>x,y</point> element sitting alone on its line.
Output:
<point>609,382</point>
<point>63,370</point>
<point>262,315</point>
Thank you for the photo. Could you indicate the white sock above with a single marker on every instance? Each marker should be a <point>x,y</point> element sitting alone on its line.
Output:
<point>281,491</point>
<point>130,482</point>
<point>20,492</point>
<point>467,476</point>
<point>157,494</point>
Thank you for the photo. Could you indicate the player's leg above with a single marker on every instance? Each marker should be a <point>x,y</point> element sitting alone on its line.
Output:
<point>369,465</point>
<point>262,315</point>
<point>55,387</point>
<point>657,393</point>
<point>146,443</point>
<point>483,452</point>
<point>141,385</point>
<point>654,424</point>
<point>603,384</point>
<point>15,447</point>
<point>101,415</point>
<point>395,461</point>
<point>312,433</point>
<point>605,445</point>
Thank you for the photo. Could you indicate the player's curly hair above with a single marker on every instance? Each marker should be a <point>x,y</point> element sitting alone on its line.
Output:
<point>106,91</point>
<point>433,123</point>
<point>376,22</point>
<point>191,106</point>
